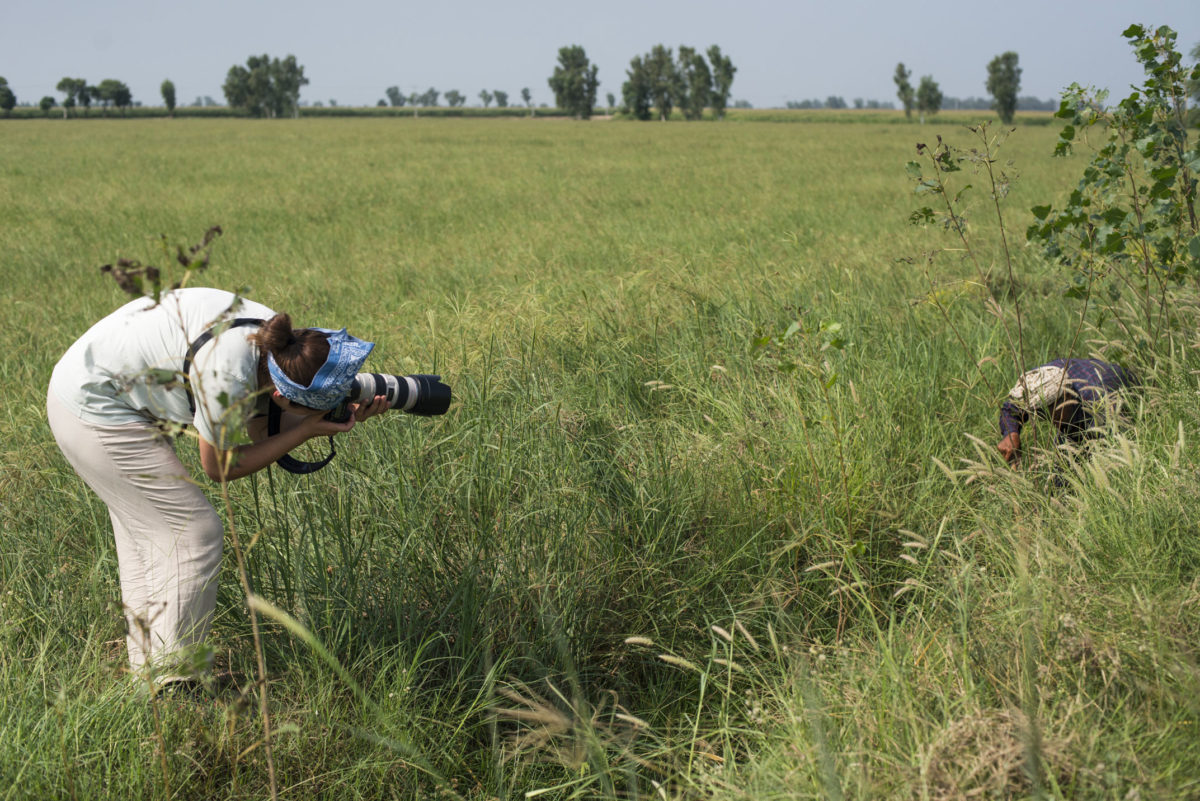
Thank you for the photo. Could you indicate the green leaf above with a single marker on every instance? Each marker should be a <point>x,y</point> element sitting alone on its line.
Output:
<point>1134,32</point>
<point>159,376</point>
<point>791,330</point>
<point>960,192</point>
<point>1114,216</point>
<point>1194,247</point>
<point>1041,212</point>
<point>913,168</point>
<point>922,216</point>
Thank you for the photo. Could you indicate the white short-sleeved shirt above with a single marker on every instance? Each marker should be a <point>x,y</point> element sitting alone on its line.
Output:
<point>126,368</point>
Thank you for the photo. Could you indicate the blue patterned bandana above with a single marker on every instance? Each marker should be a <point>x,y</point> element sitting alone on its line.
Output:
<point>332,382</point>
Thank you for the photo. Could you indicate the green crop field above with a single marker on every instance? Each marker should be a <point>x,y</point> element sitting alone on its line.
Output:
<point>715,513</point>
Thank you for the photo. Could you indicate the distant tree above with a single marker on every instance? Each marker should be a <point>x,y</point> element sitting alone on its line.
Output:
<point>1003,83</point>
<point>501,99</point>
<point>486,97</point>
<point>333,102</point>
<point>835,101</point>
<point>666,84</point>
<point>381,103</point>
<point>112,92</point>
<point>858,103</point>
<point>574,82</point>
<point>1193,86</point>
<point>87,93</point>
<point>742,104</point>
<point>103,93</point>
<point>722,72</point>
<point>288,77</point>
<point>208,101</point>
<point>697,82</point>
<point>455,98</point>
<point>929,97</point>
<point>168,96</point>
<point>637,91</point>
<point>612,101</point>
<point>46,104</point>
<point>8,100</point>
<point>70,88</point>
<point>266,87</point>
<point>395,96</point>
<point>430,97</point>
<point>904,89</point>
<point>527,99</point>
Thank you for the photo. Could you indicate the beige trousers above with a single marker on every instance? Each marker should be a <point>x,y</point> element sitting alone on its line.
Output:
<point>169,537</point>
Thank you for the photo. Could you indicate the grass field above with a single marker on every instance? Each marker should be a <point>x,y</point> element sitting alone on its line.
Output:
<point>655,549</point>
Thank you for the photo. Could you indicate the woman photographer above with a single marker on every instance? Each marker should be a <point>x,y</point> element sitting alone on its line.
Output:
<point>112,400</point>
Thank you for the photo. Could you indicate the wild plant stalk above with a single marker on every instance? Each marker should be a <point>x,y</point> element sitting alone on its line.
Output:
<point>1030,698</point>
<point>943,159</point>
<point>996,192</point>
<point>62,745</point>
<point>264,705</point>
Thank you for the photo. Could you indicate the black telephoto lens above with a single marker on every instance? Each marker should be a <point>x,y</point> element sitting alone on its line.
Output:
<point>418,394</point>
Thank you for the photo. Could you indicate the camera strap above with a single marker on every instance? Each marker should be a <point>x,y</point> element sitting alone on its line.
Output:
<point>274,413</point>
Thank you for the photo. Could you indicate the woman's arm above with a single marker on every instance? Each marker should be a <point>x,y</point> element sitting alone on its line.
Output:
<point>227,465</point>
<point>297,426</point>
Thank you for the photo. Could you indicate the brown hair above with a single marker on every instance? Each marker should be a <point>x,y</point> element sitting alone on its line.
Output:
<point>299,352</point>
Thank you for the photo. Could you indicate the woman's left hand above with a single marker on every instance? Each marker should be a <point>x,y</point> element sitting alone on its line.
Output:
<point>364,410</point>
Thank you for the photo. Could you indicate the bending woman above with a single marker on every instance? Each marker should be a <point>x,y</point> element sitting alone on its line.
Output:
<point>110,396</point>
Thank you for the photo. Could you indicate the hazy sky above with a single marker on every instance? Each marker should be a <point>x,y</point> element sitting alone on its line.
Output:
<point>352,50</point>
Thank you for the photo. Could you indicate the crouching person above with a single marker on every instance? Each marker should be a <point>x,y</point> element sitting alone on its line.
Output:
<point>1077,396</point>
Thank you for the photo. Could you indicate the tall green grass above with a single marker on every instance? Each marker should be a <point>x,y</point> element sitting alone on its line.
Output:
<point>640,557</point>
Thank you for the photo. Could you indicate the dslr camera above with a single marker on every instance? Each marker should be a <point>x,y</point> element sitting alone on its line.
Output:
<point>425,395</point>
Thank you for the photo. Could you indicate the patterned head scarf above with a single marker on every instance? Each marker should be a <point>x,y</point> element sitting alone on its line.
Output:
<point>332,382</point>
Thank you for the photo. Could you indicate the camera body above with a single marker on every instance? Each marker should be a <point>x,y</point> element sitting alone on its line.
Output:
<point>419,394</point>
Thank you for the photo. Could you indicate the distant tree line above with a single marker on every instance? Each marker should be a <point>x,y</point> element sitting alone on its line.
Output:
<point>657,83</point>
<point>77,92</point>
<point>266,87</point>
<point>1003,84</point>
<point>454,98</point>
<point>837,101</point>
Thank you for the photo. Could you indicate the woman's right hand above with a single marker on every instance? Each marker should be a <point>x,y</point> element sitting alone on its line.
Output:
<point>1010,446</point>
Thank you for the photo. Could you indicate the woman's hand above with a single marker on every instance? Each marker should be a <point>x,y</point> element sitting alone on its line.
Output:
<point>316,425</point>
<point>378,405</point>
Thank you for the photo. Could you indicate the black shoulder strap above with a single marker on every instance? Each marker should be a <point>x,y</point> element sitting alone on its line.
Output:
<point>200,342</point>
<point>287,462</point>
<point>274,413</point>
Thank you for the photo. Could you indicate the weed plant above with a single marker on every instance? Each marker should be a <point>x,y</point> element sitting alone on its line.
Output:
<point>715,513</point>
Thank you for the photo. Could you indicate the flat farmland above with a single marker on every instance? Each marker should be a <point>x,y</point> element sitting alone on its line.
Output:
<point>715,512</point>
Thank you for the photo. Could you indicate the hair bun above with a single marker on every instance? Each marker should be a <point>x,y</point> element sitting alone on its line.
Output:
<point>276,334</point>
